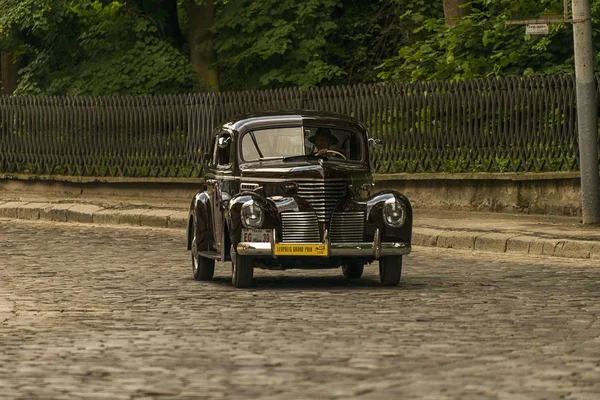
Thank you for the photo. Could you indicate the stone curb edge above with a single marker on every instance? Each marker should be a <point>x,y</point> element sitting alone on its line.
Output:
<point>84,213</point>
<point>427,237</point>
<point>510,243</point>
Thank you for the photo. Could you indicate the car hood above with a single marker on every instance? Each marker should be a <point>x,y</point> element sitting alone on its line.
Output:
<point>318,169</point>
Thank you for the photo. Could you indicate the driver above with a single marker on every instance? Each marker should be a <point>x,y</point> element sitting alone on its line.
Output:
<point>322,139</point>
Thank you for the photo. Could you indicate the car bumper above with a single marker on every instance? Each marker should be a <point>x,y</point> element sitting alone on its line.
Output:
<point>365,249</point>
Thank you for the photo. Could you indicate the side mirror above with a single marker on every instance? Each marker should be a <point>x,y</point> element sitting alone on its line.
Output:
<point>224,141</point>
<point>375,143</point>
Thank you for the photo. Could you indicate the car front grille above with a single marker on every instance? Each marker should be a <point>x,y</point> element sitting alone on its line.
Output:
<point>347,227</point>
<point>322,195</point>
<point>303,227</point>
<point>300,227</point>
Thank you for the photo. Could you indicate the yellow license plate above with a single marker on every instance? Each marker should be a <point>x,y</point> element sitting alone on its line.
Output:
<point>301,249</point>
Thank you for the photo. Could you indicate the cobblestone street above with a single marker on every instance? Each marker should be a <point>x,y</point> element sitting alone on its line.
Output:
<point>100,312</point>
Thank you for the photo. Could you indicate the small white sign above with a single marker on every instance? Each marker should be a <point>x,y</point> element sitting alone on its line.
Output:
<point>536,29</point>
<point>256,235</point>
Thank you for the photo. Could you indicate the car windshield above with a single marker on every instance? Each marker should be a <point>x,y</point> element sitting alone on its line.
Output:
<point>301,141</point>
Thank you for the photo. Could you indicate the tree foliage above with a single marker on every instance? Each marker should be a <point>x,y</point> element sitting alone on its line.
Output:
<point>271,43</point>
<point>482,44</point>
<point>92,47</point>
<point>148,46</point>
<point>275,42</point>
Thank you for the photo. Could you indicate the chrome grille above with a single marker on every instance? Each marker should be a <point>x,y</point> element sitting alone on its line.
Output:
<point>322,196</point>
<point>300,227</point>
<point>347,227</point>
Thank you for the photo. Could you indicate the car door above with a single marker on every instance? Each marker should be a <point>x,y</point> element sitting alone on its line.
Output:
<point>220,187</point>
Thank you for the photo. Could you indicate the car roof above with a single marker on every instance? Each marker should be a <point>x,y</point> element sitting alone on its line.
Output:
<point>254,121</point>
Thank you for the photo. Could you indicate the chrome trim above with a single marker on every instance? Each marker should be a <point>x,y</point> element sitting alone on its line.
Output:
<point>248,186</point>
<point>326,241</point>
<point>367,249</point>
<point>273,241</point>
<point>300,227</point>
<point>347,227</point>
<point>322,195</point>
<point>220,176</point>
<point>377,244</point>
<point>361,249</point>
<point>254,249</point>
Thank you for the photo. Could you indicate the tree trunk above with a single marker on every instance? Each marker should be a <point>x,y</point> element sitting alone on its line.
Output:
<point>9,73</point>
<point>172,22</point>
<point>202,53</point>
<point>453,11</point>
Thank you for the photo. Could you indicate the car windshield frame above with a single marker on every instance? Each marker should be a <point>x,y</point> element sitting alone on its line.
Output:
<point>362,149</point>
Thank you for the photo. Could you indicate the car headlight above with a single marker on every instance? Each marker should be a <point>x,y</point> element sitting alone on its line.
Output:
<point>253,214</point>
<point>394,212</point>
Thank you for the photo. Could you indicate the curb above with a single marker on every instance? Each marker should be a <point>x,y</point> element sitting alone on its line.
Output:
<point>85,213</point>
<point>426,237</point>
<point>506,243</point>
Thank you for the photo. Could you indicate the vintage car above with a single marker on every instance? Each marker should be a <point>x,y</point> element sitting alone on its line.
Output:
<point>295,190</point>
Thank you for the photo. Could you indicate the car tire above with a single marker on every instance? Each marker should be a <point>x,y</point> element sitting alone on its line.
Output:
<point>203,269</point>
<point>353,270</point>
<point>390,270</point>
<point>242,270</point>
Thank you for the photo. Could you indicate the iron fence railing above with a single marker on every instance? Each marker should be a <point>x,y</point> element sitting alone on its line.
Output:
<point>489,125</point>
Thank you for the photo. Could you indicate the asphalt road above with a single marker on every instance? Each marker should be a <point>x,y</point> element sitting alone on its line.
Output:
<point>90,312</point>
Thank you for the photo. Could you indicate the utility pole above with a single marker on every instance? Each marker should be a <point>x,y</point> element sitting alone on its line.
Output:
<point>587,111</point>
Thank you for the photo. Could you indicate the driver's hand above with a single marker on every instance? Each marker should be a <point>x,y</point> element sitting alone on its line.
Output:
<point>322,152</point>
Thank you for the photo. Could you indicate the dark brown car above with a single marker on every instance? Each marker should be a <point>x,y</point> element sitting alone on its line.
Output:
<point>294,190</point>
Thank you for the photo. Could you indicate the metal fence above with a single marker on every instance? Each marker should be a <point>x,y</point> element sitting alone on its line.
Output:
<point>488,125</point>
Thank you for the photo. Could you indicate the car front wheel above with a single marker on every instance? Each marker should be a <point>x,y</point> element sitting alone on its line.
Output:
<point>390,270</point>
<point>242,270</point>
<point>203,269</point>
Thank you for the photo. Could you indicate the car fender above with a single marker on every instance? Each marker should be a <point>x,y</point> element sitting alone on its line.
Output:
<point>200,211</point>
<point>233,215</point>
<point>374,216</point>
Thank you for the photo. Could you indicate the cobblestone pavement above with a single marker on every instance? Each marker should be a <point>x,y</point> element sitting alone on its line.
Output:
<point>96,312</point>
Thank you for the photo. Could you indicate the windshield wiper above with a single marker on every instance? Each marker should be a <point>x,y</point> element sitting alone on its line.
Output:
<point>260,154</point>
<point>302,156</point>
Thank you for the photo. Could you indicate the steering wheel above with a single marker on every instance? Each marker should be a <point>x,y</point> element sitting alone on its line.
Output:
<point>333,152</point>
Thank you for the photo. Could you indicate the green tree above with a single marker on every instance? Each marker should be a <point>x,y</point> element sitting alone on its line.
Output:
<point>481,44</point>
<point>8,73</point>
<point>94,47</point>
<point>270,43</point>
<point>201,15</point>
<point>454,10</point>
<point>370,31</point>
<point>174,46</point>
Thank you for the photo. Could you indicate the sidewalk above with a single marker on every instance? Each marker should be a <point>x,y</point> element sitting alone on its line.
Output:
<point>490,232</point>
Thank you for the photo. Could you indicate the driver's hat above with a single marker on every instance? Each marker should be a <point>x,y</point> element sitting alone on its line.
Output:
<point>323,132</point>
